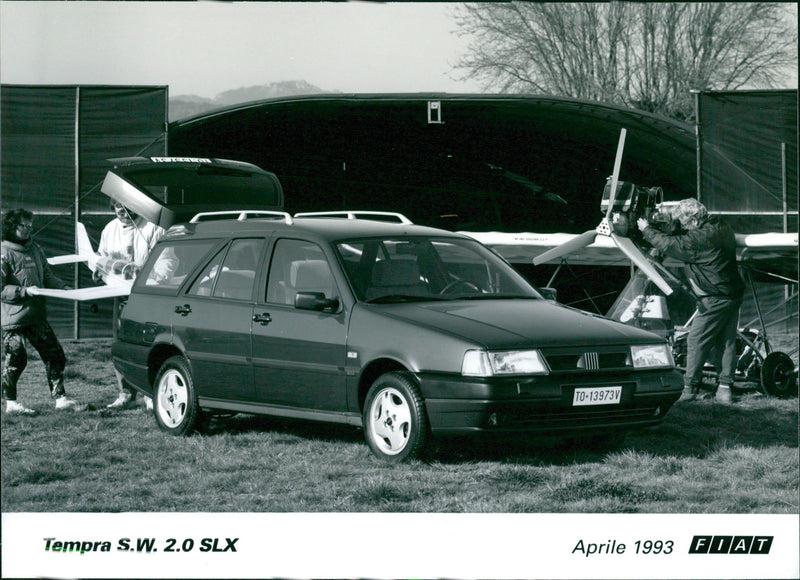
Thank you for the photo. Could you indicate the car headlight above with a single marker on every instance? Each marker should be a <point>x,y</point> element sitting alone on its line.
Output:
<point>651,355</point>
<point>481,363</point>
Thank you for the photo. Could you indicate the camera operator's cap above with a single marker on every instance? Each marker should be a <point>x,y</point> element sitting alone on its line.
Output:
<point>690,208</point>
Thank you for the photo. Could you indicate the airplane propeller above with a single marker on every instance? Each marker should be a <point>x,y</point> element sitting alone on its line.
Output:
<point>625,245</point>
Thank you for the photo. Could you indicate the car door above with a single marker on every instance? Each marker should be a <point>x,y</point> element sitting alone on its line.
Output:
<point>212,321</point>
<point>299,355</point>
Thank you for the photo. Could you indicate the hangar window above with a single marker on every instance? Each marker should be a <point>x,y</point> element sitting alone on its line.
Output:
<point>434,112</point>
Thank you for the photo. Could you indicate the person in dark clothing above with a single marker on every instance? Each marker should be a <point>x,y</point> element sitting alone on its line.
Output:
<point>24,313</point>
<point>707,246</point>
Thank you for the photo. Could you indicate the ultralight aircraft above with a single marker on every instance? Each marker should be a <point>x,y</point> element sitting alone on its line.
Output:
<point>617,240</point>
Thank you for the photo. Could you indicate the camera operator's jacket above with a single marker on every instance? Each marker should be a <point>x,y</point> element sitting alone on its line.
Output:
<point>24,266</point>
<point>709,252</point>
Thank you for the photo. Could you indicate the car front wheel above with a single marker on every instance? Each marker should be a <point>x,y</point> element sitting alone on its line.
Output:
<point>395,421</point>
<point>175,399</point>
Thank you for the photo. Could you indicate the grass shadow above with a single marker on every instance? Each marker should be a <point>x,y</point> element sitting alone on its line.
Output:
<point>519,449</point>
<point>311,430</point>
<point>754,422</point>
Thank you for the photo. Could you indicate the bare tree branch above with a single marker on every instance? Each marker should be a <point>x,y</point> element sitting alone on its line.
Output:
<point>644,55</point>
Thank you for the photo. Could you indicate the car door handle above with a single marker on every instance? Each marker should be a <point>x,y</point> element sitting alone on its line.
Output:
<point>262,319</point>
<point>183,310</point>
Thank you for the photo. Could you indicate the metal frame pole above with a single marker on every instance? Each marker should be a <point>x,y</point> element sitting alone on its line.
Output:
<point>166,123</point>
<point>698,143</point>
<point>76,268</point>
<point>783,189</point>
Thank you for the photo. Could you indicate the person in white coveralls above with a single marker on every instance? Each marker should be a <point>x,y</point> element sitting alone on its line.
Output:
<point>125,244</point>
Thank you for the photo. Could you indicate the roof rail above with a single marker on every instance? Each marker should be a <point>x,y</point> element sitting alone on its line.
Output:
<point>352,215</point>
<point>242,215</point>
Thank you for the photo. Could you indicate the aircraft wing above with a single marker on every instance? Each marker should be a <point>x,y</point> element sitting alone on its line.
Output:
<point>67,259</point>
<point>767,241</point>
<point>83,294</point>
<point>775,253</point>
<point>524,247</point>
<point>755,247</point>
<point>115,283</point>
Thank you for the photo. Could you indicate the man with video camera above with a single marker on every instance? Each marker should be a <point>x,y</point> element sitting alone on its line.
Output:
<point>707,246</point>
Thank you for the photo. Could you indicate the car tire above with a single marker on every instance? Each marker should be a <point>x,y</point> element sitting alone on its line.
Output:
<point>395,420</point>
<point>175,403</point>
<point>778,376</point>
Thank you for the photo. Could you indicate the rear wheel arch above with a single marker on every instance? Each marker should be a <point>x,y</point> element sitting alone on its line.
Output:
<point>175,405</point>
<point>158,355</point>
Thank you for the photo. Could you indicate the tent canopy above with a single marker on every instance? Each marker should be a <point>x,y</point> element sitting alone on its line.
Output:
<point>477,162</point>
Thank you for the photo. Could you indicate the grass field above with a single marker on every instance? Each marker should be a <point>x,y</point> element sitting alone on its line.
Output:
<point>704,458</point>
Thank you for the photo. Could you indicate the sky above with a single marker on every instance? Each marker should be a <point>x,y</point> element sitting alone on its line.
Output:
<point>204,48</point>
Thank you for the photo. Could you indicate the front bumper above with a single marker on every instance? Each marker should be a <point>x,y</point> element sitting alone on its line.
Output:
<point>544,405</point>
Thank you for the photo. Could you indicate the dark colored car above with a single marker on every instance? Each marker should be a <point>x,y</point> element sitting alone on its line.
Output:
<point>403,330</point>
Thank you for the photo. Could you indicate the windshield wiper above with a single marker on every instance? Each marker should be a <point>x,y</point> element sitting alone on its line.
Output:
<point>389,298</point>
<point>492,297</point>
<point>394,298</point>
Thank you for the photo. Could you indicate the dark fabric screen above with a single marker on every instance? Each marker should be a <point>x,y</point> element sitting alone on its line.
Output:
<point>117,122</point>
<point>54,143</point>
<point>38,148</point>
<point>748,144</point>
<point>748,147</point>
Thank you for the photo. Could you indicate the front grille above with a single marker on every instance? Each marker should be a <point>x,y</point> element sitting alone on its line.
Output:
<point>560,418</point>
<point>588,361</point>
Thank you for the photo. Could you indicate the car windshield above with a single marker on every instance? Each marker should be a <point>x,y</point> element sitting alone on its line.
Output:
<point>418,268</point>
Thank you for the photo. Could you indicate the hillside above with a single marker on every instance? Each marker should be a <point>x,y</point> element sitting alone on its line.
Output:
<point>183,106</point>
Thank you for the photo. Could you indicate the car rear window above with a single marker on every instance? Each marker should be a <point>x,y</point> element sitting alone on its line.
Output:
<point>170,263</point>
<point>235,276</point>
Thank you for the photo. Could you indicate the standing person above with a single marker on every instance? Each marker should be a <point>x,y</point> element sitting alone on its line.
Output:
<point>24,313</point>
<point>707,245</point>
<point>126,242</point>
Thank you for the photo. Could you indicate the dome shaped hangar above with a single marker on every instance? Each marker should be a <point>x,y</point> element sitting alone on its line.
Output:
<point>462,162</point>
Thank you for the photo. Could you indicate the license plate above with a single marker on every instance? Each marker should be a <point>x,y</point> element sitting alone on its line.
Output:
<point>597,396</point>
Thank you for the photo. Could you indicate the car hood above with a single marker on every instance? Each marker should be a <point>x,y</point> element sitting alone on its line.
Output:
<point>515,323</point>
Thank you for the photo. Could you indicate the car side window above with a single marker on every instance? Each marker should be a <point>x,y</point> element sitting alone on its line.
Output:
<point>237,276</point>
<point>204,283</point>
<point>170,263</point>
<point>298,266</point>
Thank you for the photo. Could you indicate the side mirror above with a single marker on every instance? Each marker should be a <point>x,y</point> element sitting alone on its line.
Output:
<point>315,301</point>
<point>550,294</point>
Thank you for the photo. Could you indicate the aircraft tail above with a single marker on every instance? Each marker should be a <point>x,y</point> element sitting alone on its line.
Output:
<point>85,249</point>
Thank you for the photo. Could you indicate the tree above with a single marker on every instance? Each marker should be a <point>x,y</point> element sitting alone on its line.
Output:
<point>643,55</point>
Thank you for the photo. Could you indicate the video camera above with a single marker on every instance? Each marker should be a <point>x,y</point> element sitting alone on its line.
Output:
<point>632,202</point>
